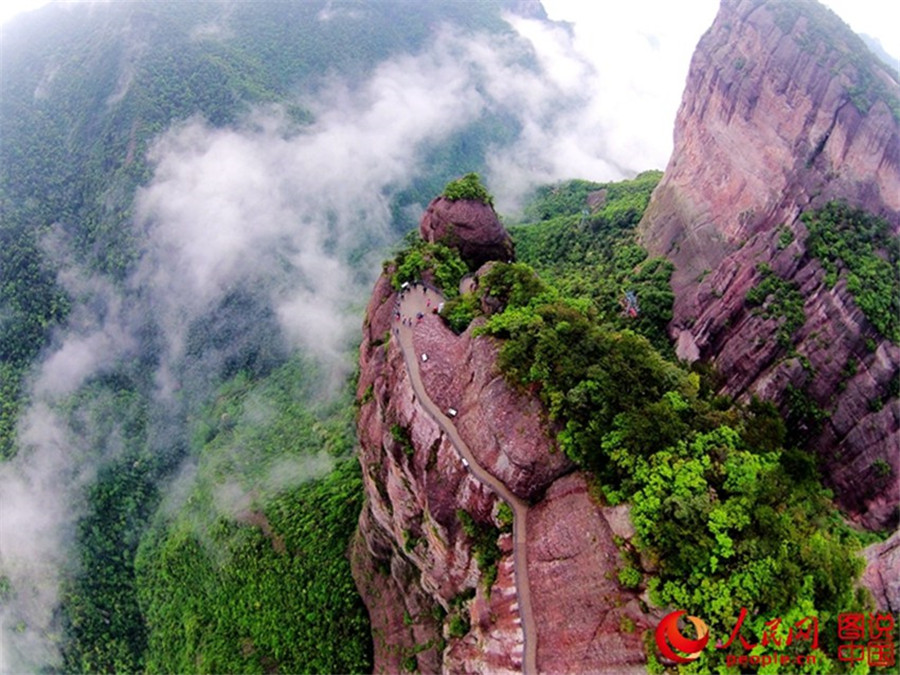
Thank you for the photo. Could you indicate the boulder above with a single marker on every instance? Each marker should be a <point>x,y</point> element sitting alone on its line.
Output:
<point>469,226</point>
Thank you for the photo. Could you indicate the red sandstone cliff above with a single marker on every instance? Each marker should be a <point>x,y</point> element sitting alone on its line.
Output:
<point>470,226</point>
<point>412,560</point>
<point>784,110</point>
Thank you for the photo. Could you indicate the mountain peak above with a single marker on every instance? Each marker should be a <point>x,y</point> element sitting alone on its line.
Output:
<point>464,218</point>
<point>784,108</point>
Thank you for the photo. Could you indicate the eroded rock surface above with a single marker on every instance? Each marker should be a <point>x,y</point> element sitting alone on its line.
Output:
<point>574,560</point>
<point>411,558</point>
<point>785,110</point>
<point>470,226</point>
<point>503,427</point>
<point>881,575</point>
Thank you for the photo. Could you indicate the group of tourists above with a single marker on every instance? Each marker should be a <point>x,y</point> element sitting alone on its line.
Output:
<point>419,316</point>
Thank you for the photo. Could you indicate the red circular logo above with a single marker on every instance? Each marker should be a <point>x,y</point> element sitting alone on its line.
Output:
<point>667,633</point>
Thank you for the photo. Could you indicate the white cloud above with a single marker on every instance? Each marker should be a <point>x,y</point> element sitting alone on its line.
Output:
<point>639,52</point>
<point>262,206</point>
<point>278,209</point>
<point>37,521</point>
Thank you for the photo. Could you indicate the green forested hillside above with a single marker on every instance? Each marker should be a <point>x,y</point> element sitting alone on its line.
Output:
<point>244,567</point>
<point>201,457</point>
<point>729,513</point>
<point>85,90</point>
<point>590,252</point>
<point>248,573</point>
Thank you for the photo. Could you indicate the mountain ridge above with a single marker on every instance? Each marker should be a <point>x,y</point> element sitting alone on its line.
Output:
<point>439,601</point>
<point>777,125</point>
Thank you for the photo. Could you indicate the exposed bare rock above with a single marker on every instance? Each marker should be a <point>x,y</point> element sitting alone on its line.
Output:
<point>881,576</point>
<point>470,226</point>
<point>399,609</point>
<point>411,554</point>
<point>504,428</point>
<point>783,111</point>
<point>768,124</point>
<point>495,626</point>
<point>596,199</point>
<point>591,624</point>
<point>412,558</point>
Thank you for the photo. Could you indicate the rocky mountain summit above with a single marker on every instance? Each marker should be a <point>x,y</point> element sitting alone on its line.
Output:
<point>468,225</point>
<point>785,111</point>
<point>442,596</point>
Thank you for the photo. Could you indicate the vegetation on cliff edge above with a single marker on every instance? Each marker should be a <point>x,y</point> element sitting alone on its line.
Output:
<point>729,514</point>
<point>468,187</point>
<point>858,248</point>
<point>729,517</point>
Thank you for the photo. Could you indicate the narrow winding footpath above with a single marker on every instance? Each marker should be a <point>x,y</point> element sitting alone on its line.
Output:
<point>414,303</point>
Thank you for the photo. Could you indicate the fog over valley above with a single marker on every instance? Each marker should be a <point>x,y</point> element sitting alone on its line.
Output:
<point>270,231</point>
<point>199,199</point>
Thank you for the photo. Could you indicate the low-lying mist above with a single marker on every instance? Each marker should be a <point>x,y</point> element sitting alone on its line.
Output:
<point>258,240</point>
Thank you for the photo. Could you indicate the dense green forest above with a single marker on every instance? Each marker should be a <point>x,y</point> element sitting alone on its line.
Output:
<point>250,573</point>
<point>729,514</point>
<point>209,459</point>
<point>588,254</point>
<point>166,573</point>
<point>244,567</point>
<point>591,253</point>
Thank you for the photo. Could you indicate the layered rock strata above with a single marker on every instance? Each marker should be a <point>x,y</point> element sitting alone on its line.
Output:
<point>413,562</point>
<point>785,110</point>
<point>881,576</point>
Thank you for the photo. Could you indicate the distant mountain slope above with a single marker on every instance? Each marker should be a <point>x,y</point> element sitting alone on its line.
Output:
<point>875,46</point>
<point>186,188</point>
<point>87,87</point>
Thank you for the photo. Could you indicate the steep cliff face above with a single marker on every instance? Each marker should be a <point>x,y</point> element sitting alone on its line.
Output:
<point>435,601</point>
<point>784,111</point>
<point>411,559</point>
<point>880,576</point>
